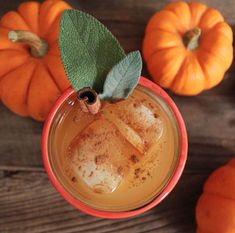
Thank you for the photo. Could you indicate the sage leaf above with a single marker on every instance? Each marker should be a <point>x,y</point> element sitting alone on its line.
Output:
<point>88,50</point>
<point>122,78</point>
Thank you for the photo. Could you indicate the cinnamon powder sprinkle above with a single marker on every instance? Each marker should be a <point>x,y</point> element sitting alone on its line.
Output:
<point>137,172</point>
<point>97,143</point>
<point>100,159</point>
<point>120,171</point>
<point>73,179</point>
<point>91,174</point>
<point>84,173</point>
<point>134,159</point>
<point>155,115</point>
<point>151,105</point>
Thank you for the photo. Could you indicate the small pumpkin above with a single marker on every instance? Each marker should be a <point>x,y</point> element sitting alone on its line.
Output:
<point>187,47</point>
<point>31,72</point>
<point>215,211</point>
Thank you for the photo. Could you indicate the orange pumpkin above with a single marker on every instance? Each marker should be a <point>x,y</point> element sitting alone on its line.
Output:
<point>215,211</point>
<point>187,47</point>
<point>31,72</point>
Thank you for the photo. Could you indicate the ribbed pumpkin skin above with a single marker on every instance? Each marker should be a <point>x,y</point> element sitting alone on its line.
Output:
<point>215,211</point>
<point>29,86</point>
<point>171,64</point>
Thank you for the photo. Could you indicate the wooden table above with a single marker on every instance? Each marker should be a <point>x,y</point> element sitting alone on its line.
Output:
<point>28,201</point>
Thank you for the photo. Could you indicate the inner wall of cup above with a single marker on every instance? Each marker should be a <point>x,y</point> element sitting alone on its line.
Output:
<point>62,111</point>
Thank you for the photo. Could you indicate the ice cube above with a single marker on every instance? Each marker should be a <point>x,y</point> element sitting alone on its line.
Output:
<point>126,131</point>
<point>97,156</point>
<point>138,122</point>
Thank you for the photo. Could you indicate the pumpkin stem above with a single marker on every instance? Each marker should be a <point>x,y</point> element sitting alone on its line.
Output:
<point>191,38</point>
<point>89,100</point>
<point>38,46</point>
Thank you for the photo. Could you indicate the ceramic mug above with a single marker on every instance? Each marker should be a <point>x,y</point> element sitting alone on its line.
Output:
<point>178,169</point>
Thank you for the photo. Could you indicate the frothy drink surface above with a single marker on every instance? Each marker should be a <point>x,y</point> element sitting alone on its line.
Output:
<point>119,159</point>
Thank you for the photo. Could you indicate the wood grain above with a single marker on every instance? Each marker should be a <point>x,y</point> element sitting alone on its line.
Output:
<point>29,203</point>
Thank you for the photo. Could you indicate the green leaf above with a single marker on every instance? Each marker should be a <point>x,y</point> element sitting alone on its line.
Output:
<point>88,50</point>
<point>123,78</point>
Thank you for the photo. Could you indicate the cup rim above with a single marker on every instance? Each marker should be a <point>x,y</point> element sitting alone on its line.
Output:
<point>120,214</point>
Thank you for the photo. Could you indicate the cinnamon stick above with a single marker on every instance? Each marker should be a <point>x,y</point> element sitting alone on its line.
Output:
<point>89,100</point>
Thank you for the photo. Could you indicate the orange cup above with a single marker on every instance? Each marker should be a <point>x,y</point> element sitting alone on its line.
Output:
<point>183,144</point>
